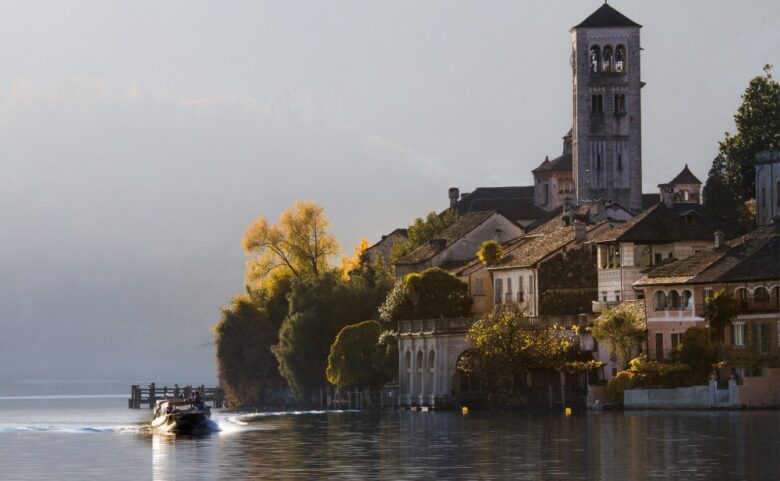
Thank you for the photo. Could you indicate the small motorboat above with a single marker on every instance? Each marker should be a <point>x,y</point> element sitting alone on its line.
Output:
<point>181,416</point>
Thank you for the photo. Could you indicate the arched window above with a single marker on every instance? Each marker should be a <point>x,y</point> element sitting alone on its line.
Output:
<point>761,295</point>
<point>620,58</point>
<point>776,297</point>
<point>741,295</point>
<point>674,300</point>
<point>420,361</point>
<point>431,372</point>
<point>597,104</point>
<point>595,58</point>
<point>408,377</point>
<point>608,58</point>
<point>687,300</point>
<point>660,301</point>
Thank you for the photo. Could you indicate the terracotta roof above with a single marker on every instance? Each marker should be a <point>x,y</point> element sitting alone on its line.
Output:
<point>465,224</point>
<point>661,224</point>
<point>685,177</point>
<point>536,246</point>
<point>606,16</point>
<point>752,257</point>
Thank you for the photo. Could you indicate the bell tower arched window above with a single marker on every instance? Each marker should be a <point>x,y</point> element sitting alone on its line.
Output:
<point>595,58</point>
<point>620,58</point>
<point>608,59</point>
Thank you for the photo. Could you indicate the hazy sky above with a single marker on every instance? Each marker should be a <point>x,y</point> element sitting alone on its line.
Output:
<point>139,139</point>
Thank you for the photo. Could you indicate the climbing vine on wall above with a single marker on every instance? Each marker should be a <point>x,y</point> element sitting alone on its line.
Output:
<point>568,282</point>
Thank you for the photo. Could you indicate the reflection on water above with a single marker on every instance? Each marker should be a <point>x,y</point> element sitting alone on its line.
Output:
<point>408,445</point>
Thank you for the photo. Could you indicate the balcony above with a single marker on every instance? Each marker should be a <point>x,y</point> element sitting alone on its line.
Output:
<point>435,326</point>
<point>601,306</point>
<point>749,306</point>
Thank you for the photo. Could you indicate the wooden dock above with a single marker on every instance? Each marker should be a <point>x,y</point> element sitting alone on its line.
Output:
<point>150,394</point>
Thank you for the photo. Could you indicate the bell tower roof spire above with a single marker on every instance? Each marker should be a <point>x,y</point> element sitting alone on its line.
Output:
<point>606,17</point>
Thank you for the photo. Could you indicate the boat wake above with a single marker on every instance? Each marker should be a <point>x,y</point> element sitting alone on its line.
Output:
<point>39,428</point>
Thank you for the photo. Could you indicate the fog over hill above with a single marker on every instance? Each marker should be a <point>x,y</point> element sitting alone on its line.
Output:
<point>138,140</point>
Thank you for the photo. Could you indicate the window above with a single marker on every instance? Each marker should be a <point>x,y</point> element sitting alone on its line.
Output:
<point>520,297</point>
<point>676,339</point>
<point>598,161</point>
<point>777,195</point>
<point>687,300</point>
<point>674,300</point>
<point>620,162</point>
<point>738,334</point>
<point>708,293</point>
<point>620,104</point>
<point>659,345</point>
<point>617,296</point>
<point>620,58</point>
<point>660,302</point>
<point>761,337</point>
<point>608,58</point>
<point>597,104</point>
<point>479,287</point>
<point>761,295</point>
<point>595,58</point>
<point>499,290</point>
<point>604,296</point>
<point>509,285</point>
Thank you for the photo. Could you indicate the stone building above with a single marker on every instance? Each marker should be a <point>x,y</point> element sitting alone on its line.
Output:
<point>607,134</point>
<point>553,180</point>
<point>767,187</point>
<point>384,247</point>
<point>684,188</point>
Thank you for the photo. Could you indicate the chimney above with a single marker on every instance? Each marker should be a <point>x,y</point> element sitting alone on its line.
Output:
<point>454,193</point>
<point>580,233</point>
<point>719,238</point>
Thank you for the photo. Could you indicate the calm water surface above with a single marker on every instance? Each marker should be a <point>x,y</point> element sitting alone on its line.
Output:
<point>97,437</point>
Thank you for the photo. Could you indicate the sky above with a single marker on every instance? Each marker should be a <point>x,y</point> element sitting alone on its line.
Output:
<point>139,139</point>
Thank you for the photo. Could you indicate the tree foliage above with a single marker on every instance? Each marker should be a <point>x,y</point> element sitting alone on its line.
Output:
<point>434,293</point>
<point>357,359</point>
<point>719,312</point>
<point>490,252</point>
<point>722,196</point>
<point>697,351</point>
<point>621,331</point>
<point>507,344</point>
<point>319,308</point>
<point>244,361</point>
<point>297,244</point>
<point>422,231</point>
<point>758,129</point>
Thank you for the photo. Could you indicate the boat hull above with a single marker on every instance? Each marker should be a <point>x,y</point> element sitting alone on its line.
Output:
<point>182,422</point>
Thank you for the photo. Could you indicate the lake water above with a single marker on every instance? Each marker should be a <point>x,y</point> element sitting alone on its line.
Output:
<point>65,437</point>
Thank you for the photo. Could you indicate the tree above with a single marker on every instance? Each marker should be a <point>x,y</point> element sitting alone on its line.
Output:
<point>758,129</point>
<point>621,331</point>
<point>319,308</point>
<point>721,196</point>
<point>244,361</point>
<point>697,351</point>
<point>357,359</point>
<point>298,244</point>
<point>434,293</point>
<point>422,231</point>
<point>508,343</point>
<point>719,312</point>
<point>490,252</point>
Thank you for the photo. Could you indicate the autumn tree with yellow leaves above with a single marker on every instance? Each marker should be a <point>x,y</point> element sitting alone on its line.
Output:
<point>298,244</point>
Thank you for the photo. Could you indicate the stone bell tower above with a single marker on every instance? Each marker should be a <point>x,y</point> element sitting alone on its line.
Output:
<point>607,132</point>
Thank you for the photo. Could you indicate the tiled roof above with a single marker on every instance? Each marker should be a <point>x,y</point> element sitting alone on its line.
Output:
<point>558,164</point>
<point>661,224</point>
<point>465,224</point>
<point>517,203</point>
<point>752,257</point>
<point>605,17</point>
<point>685,177</point>
<point>540,243</point>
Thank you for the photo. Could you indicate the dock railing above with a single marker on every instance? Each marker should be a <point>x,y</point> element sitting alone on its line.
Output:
<point>150,394</point>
